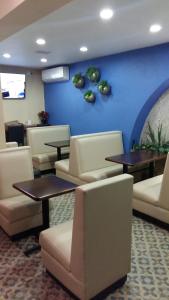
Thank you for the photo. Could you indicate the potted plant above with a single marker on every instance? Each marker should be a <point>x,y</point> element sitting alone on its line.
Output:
<point>89,96</point>
<point>43,116</point>
<point>104,88</point>
<point>78,80</point>
<point>155,141</point>
<point>93,74</point>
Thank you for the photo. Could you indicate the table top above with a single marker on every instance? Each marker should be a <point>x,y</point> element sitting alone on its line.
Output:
<point>60,144</point>
<point>45,187</point>
<point>137,157</point>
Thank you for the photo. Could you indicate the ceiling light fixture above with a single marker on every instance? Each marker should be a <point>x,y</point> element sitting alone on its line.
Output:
<point>155,28</point>
<point>106,13</point>
<point>83,49</point>
<point>40,41</point>
<point>6,55</point>
<point>43,60</point>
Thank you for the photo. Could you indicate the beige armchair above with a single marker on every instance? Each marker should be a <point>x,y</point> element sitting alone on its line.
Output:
<point>93,251</point>
<point>151,196</point>
<point>18,212</point>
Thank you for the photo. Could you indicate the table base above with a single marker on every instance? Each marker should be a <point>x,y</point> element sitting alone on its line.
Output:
<point>32,249</point>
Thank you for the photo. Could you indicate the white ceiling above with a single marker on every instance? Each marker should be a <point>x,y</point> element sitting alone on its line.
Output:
<point>78,23</point>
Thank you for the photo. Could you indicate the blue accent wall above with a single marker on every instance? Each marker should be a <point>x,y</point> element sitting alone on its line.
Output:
<point>136,77</point>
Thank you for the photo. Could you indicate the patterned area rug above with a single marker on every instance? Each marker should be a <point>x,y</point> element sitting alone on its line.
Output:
<point>24,278</point>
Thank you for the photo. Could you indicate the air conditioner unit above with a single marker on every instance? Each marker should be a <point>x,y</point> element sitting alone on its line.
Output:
<point>55,74</point>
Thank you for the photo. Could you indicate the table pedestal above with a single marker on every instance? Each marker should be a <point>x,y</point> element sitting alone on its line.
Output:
<point>42,189</point>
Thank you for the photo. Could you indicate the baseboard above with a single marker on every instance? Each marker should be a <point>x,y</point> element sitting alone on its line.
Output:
<point>151,219</point>
<point>102,295</point>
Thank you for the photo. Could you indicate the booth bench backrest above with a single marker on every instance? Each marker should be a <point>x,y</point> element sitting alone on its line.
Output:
<point>37,136</point>
<point>91,247</point>
<point>88,153</point>
<point>163,198</point>
<point>10,159</point>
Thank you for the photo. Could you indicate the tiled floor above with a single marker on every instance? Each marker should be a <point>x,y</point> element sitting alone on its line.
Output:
<point>24,278</point>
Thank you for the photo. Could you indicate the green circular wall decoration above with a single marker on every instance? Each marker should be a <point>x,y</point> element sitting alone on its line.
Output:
<point>93,74</point>
<point>78,80</point>
<point>89,96</point>
<point>104,87</point>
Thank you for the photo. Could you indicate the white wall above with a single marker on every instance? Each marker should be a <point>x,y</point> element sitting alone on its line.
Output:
<point>28,108</point>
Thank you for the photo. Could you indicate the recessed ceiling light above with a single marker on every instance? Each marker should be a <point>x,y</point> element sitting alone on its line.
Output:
<point>6,55</point>
<point>155,28</point>
<point>40,42</point>
<point>106,13</point>
<point>43,60</point>
<point>83,49</point>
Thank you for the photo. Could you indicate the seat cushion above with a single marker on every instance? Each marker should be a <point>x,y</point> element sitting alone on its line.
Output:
<point>62,165</point>
<point>102,173</point>
<point>148,190</point>
<point>56,241</point>
<point>19,207</point>
<point>45,157</point>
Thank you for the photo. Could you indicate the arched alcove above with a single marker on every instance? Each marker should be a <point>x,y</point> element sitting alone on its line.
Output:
<point>140,121</point>
<point>159,115</point>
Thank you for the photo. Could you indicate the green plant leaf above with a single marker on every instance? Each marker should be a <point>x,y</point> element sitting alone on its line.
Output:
<point>155,140</point>
<point>161,149</point>
<point>78,80</point>
<point>89,96</point>
<point>93,74</point>
<point>159,134</point>
<point>143,146</point>
<point>151,134</point>
<point>136,147</point>
<point>104,87</point>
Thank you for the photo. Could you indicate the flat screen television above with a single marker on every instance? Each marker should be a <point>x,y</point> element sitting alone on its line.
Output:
<point>12,85</point>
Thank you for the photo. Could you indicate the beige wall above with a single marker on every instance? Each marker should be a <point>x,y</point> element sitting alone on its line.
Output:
<point>8,6</point>
<point>27,109</point>
<point>2,128</point>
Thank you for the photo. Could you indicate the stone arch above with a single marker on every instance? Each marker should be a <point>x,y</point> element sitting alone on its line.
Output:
<point>139,123</point>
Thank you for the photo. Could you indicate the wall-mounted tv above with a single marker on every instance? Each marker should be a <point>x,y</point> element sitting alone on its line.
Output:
<point>12,85</point>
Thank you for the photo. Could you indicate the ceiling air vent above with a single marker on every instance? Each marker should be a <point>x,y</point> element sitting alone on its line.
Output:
<point>43,52</point>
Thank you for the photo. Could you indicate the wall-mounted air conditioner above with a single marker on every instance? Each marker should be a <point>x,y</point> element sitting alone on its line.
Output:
<point>55,74</point>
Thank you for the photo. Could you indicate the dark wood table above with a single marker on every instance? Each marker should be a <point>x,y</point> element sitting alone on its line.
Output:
<point>137,158</point>
<point>41,189</point>
<point>59,145</point>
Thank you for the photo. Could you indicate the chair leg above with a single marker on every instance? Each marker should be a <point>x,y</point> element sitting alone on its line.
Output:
<point>37,173</point>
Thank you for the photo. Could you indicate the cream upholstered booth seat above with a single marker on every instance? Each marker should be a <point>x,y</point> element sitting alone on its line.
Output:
<point>11,144</point>
<point>44,156</point>
<point>87,157</point>
<point>93,251</point>
<point>18,212</point>
<point>151,196</point>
